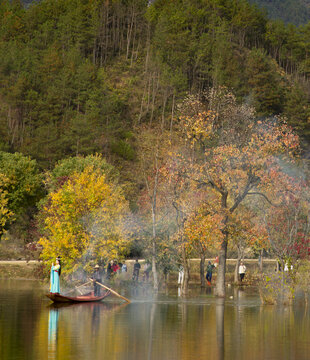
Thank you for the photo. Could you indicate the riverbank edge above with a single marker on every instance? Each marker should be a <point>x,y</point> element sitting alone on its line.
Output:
<point>32,269</point>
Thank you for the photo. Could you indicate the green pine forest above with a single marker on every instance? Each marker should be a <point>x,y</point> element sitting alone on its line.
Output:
<point>79,77</point>
<point>290,11</point>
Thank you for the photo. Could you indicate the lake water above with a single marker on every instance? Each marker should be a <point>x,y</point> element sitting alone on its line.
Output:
<point>166,328</point>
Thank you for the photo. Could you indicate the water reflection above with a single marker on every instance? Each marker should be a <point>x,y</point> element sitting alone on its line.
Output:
<point>150,339</point>
<point>172,328</point>
<point>219,309</point>
<point>52,332</point>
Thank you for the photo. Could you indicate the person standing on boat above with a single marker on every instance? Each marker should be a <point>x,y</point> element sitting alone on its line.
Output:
<point>55,274</point>
<point>96,277</point>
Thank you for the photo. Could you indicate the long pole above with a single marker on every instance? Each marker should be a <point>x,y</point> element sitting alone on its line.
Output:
<point>77,287</point>
<point>113,292</point>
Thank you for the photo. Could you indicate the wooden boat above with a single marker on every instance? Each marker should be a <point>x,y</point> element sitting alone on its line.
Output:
<point>89,297</point>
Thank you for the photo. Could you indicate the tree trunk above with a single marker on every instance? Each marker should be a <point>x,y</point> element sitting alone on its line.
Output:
<point>164,108</point>
<point>202,270</point>
<point>184,285</point>
<point>172,112</point>
<point>154,204</point>
<point>154,268</point>
<point>220,281</point>
<point>260,261</point>
<point>236,275</point>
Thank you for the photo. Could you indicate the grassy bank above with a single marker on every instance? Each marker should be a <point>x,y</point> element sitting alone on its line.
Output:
<point>33,270</point>
<point>21,269</point>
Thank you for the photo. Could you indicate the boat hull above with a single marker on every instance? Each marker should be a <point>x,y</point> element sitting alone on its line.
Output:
<point>58,298</point>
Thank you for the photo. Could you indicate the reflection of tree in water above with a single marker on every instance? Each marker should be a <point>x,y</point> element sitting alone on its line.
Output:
<point>84,321</point>
<point>150,340</point>
<point>52,332</point>
<point>219,310</point>
<point>186,329</point>
<point>95,318</point>
<point>19,313</point>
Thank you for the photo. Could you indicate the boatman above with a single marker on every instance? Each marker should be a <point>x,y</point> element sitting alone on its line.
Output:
<point>96,277</point>
<point>136,270</point>
<point>55,274</point>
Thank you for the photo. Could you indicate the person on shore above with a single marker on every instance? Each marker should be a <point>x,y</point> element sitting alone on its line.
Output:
<point>146,271</point>
<point>120,265</point>
<point>96,277</point>
<point>242,270</point>
<point>115,267</point>
<point>209,272</point>
<point>181,275</point>
<point>109,270</point>
<point>136,270</point>
<point>124,268</point>
<point>55,274</point>
<point>216,262</point>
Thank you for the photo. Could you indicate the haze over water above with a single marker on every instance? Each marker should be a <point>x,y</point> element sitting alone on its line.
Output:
<point>199,327</point>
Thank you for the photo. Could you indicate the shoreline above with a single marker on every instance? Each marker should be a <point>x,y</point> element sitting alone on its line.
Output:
<point>32,269</point>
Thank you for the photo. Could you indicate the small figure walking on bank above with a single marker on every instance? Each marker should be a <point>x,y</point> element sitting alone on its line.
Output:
<point>96,277</point>
<point>146,271</point>
<point>124,268</point>
<point>109,270</point>
<point>136,270</point>
<point>209,272</point>
<point>181,275</point>
<point>242,270</point>
<point>55,274</point>
<point>216,262</point>
<point>115,267</point>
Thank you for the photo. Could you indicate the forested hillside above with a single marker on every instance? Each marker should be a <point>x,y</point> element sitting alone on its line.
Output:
<point>290,11</point>
<point>162,92</point>
<point>79,76</point>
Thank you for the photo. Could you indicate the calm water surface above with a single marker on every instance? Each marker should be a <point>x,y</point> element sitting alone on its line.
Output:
<point>200,327</point>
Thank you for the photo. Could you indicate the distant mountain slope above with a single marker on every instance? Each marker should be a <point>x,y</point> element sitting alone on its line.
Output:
<point>290,11</point>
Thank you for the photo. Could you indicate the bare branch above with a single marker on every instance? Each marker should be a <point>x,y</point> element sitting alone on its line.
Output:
<point>252,180</point>
<point>265,197</point>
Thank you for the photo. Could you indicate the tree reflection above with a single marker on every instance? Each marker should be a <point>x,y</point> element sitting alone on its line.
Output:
<point>220,306</point>
<point>52,332</point>
<point>150,340</point>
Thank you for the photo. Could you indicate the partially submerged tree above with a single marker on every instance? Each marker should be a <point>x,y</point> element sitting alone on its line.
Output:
<point>287,223</point>
<point>234,155</point>
<point>245,232</point>
<point>203,233</point>
<point>153,147</point>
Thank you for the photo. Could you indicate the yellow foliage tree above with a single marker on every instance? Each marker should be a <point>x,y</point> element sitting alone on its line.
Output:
<point>6,215</point>
<point>83,221</point>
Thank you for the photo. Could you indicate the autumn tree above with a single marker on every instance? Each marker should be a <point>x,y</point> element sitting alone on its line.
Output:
<point>287,221</point>
<point>245,231</point>
<point>236,156</point>
<point>152,152</point>
<point>203,233</point>
<point>83,220</point>
<point>6,215</point>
